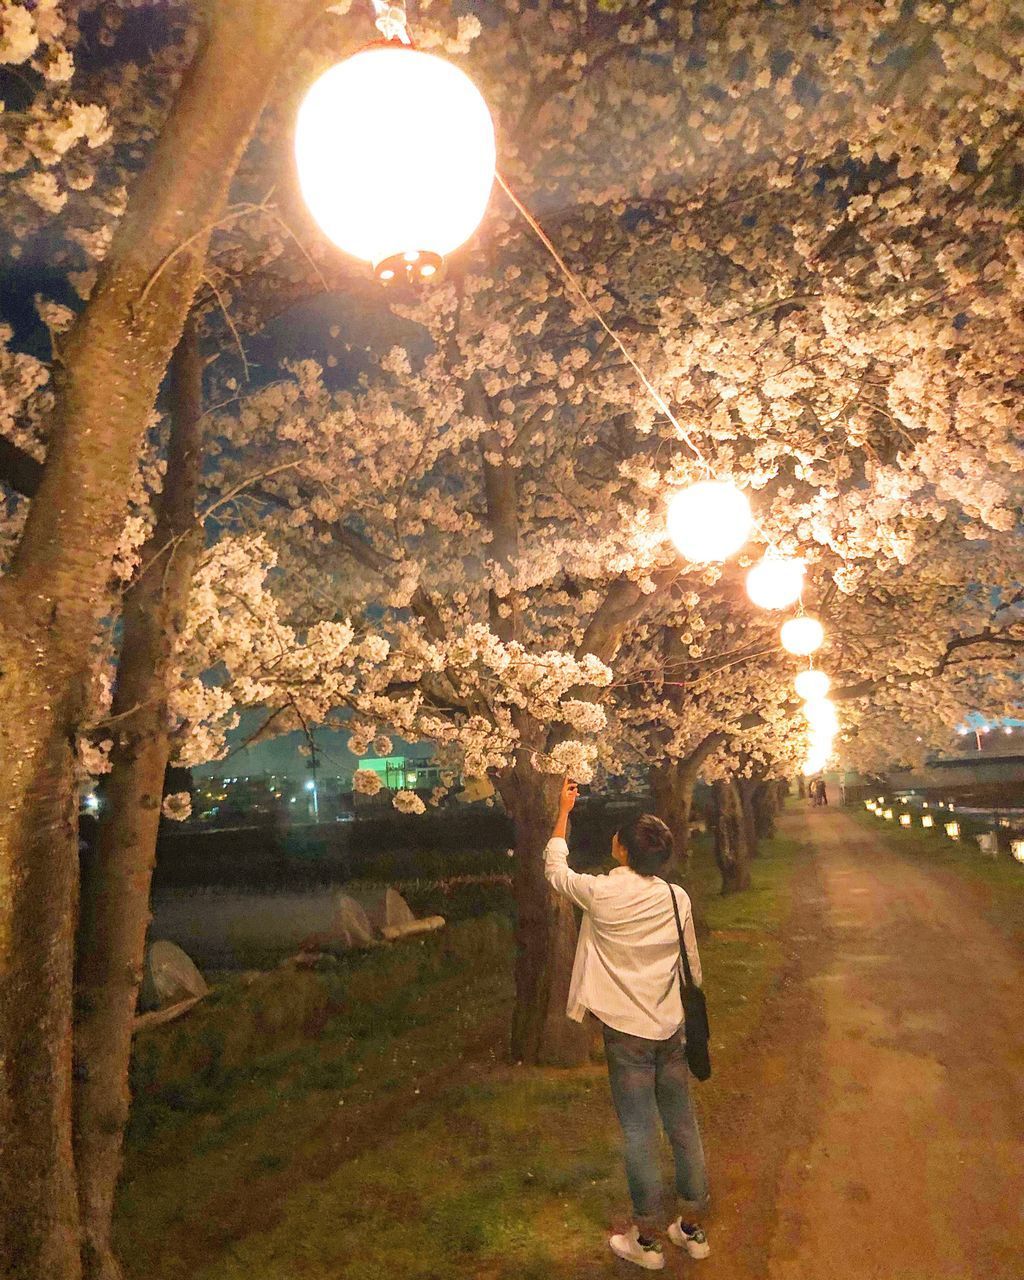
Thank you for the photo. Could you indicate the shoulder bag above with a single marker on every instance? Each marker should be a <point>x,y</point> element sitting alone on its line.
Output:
<point>695,1007</point>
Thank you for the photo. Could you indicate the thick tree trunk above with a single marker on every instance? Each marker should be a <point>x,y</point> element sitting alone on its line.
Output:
<point>116,879</point>
<point>672,783</point>
<point>730,846</point>
<point>767,801</point>
<point>748,788</point>
<point>542,1034</point>
<point>111,366</point>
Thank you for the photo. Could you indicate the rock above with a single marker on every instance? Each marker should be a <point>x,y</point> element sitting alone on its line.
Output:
<point>169,978</point>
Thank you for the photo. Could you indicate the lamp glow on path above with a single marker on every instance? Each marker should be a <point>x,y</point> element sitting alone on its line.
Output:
<point>802,636</point>
<point>775,582</point>
<point>709,521</point>
<point>812,684</point>
<point>395,152</point>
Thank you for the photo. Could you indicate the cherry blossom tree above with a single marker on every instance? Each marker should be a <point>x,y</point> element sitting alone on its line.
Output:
<point>802,221</point>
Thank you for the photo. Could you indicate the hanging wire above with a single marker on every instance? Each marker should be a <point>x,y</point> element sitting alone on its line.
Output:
<point>570,276</point>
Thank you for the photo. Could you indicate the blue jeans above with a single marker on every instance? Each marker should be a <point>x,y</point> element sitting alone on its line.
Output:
<point>650,1079</point>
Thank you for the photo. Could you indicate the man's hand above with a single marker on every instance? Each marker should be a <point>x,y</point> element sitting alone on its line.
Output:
<point>566,800</point>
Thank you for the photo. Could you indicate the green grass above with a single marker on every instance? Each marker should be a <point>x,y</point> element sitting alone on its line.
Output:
<point>364,1121</point>
<point>997,884</point>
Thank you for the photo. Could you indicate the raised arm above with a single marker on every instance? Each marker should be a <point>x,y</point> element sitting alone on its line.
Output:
<point>569,883</point>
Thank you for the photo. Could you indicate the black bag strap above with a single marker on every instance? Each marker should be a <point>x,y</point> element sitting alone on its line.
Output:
<point>679,930</point>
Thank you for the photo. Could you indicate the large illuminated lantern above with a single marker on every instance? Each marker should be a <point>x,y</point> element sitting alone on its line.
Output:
<point>396,156</point>
<point>709,521</point>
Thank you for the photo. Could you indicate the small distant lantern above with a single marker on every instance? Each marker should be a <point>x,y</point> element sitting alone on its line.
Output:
<point>802,636</point>
<point>812,685</point>
<point>888,815</point>
<point>953,830</point>
<point>396,156</point>
<point>709,521</point>
<point>776,582</point>
<point>905,819</point>
<point>927,820</point>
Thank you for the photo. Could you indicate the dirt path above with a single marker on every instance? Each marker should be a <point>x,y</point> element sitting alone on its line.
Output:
<point>881,1134</point>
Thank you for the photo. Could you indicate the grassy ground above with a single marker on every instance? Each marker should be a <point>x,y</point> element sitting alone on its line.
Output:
<point>364,1120</point>
<point>996,884</point>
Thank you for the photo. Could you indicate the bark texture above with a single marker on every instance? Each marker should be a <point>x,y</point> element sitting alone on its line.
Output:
<point>672,783</point>
<point>748,789</point>
<point>116,879</point>
<point>542,1034</point>
<point>730,845</point>
<point>112,364</point>
<point>767,802</point>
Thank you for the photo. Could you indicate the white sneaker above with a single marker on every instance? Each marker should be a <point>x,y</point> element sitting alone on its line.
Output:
<point>628,1247</point>
<point>692,1239</point>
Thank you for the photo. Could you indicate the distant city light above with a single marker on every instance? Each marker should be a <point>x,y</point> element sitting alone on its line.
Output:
<point>311,785</point>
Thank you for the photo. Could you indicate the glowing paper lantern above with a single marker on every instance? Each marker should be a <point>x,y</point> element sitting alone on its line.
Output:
<point>709,521</point>
<point>775,582</point>
<point>887,815</point>
<point>822,716</point>
<point>395,152</point>
<point>1017,849</point>
<point>905,819</point>
<point>953,830</point>
<point>812,684</point>
<point>927,820</point>
<point>802,636</point>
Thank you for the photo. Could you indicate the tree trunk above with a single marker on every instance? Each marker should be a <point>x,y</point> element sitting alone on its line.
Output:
<point>730,846</point>
<point>542,1034</point>
<point>748,791</point>
<point>672,783</point>
<point>111,365</point>
<point>116,879</point>
<point>801,787</point>
<point>767,800</point>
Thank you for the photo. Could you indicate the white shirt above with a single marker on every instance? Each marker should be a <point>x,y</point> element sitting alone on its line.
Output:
<point>627,957</point>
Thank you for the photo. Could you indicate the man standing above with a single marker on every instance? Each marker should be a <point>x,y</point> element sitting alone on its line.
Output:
<point>627,974</point>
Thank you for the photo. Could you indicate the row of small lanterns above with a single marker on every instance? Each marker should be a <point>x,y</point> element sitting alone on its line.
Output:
<point>987,839</point>
<point>710,521</point>
<point>396,157</point>
<point>880,810</point>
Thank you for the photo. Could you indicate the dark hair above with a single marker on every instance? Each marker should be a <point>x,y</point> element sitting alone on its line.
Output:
<point>648,844</point>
